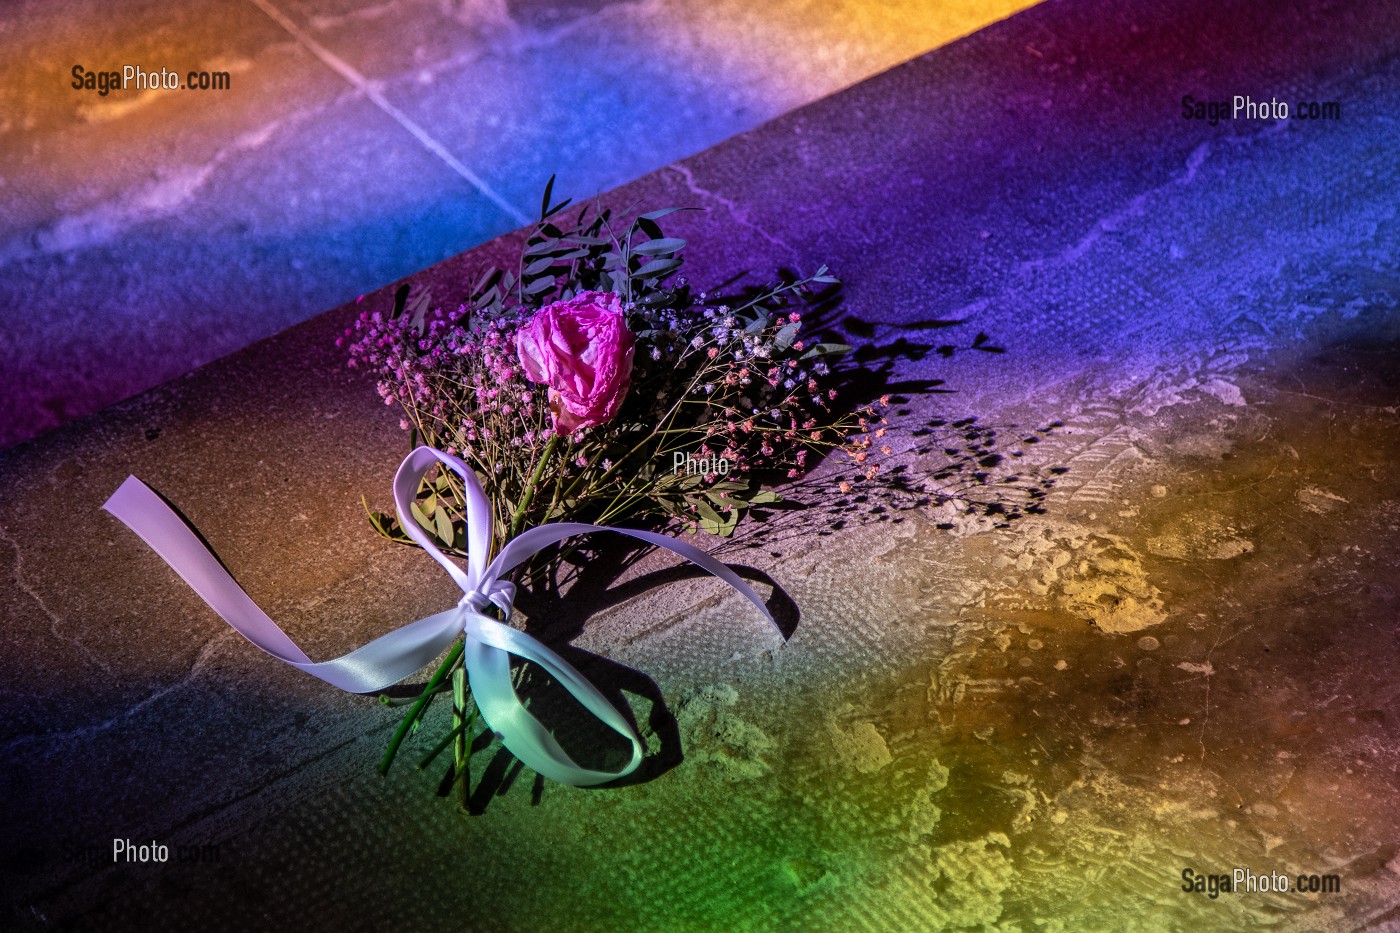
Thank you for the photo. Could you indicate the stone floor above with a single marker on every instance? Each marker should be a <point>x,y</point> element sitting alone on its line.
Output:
<point>1187,662</point>
<point>144,233</point>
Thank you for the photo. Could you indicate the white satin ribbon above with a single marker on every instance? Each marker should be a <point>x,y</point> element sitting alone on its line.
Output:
<point>392,657</point>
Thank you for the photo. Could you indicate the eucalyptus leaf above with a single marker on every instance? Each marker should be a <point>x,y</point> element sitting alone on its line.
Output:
<point>827,349</point>
<point>544,201</point>
<point>707,511</point>
<point>540,248</point>
<point>657,247</point>
<point>658,214</point>
<point>657,267</point>
<point>786,335</point>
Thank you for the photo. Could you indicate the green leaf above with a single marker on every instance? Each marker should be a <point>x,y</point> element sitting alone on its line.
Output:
<point>707,511</point>
<point>657,267</point>
<point>827,349</point>
<point>489,277</point>
<point>657,215</point>
<point>764,498</point>
<point>668,244</point>
<point>443,525</point>
<point>544,201</point>
<point>786,335</point>
<point>547,245</point>
<point>419,307</point>
<point>419,517</point>
<point>722,526</point>
<point>539,265</point>
<point>539,285</point>
<point>378,520</point>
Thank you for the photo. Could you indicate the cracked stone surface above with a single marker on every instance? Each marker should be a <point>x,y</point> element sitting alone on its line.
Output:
<point>1187,662</point>
<point>145,232</point>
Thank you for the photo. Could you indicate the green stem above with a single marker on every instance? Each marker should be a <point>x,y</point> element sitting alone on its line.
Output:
<point>461,729</point>
<point>456,733</point>
<point>391,701</point>
<point>438,676</point>
<point>518,518</point>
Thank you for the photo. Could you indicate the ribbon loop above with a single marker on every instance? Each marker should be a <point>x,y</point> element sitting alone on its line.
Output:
<point>488,644</point>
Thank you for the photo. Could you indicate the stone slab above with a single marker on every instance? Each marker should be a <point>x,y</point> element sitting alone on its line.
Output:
<point>1188,662</point>
<point>357,143</point>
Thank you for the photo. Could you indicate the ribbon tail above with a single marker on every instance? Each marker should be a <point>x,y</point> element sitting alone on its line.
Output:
<point>384,661</point>
<point>489,645</point>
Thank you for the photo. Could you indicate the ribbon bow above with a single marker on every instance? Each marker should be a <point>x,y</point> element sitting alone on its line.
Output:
<point>390,658</point>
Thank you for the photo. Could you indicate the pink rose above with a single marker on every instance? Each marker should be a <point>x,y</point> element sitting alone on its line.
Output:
<point>581,349</point>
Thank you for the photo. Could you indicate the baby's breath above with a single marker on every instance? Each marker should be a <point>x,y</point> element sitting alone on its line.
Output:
<point>712,380</point>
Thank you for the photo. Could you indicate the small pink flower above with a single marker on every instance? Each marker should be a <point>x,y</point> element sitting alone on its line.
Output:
<point>582,350</point>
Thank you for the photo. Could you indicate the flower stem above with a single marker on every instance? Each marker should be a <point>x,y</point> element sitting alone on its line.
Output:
<point>438,676</point>
<point>456,733</point>
<point>528,493</point>
<point>461,730</point>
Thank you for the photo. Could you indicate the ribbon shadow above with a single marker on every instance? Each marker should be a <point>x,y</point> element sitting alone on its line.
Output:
<point>557,602</point>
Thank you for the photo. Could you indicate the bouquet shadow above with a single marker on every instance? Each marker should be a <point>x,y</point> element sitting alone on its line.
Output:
<point>964,462</point>
<point>561,597</point>
<point>960,468</point>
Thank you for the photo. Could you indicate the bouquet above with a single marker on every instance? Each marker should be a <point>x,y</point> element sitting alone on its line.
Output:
<point>593,384</point>
<point>591,389</point>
